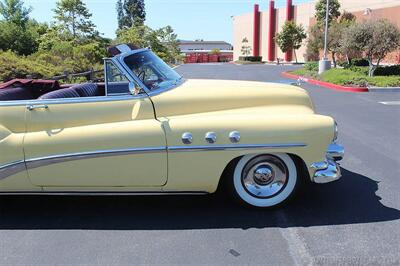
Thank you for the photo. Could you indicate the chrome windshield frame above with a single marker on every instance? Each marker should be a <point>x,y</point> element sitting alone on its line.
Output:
<point>121,61</point>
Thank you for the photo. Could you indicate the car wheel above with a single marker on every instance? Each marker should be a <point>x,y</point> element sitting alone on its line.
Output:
<point>265,181</point>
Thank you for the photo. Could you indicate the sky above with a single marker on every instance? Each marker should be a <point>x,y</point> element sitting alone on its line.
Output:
<point>191,19</point>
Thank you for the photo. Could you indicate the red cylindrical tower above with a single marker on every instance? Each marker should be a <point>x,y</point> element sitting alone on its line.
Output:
<point>289,10</point>
<point>256,31</point>
<point>289,17</point>
<point>271,31</point>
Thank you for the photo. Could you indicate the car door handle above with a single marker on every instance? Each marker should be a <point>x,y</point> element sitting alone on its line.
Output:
<point>34,107</point>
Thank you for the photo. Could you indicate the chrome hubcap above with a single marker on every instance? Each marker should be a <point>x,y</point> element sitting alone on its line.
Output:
<point>265,176</point>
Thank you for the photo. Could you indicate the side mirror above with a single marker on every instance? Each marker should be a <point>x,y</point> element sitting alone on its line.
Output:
<point>134,89</point>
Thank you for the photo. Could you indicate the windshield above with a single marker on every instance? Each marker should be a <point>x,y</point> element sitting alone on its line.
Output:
<point>152,71</point>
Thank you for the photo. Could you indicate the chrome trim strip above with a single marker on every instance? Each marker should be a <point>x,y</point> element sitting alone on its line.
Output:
<point>12,169</point>
<point>159,91</point>
<point>55,159</point>
<point>19,166</point>
<point>73,100</point>
<point>93,193</point>
<point>234,147</point>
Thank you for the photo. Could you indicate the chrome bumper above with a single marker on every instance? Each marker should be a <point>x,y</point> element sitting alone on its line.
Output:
<point>329,170</point>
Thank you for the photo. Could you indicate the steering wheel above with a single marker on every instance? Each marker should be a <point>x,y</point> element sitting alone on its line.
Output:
<point>143,74</point>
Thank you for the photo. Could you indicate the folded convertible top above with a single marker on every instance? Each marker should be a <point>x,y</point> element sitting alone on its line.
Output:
<point>31,83</point>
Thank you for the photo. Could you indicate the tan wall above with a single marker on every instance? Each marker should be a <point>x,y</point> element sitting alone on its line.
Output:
<point>357,5</point>
<point>242,27</point>
<point>393,14</point>
<point>304,14</point>
<point>264,31</point>
<point>280,20</point>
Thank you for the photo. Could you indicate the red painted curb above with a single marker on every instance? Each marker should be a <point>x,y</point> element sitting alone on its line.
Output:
<point>325,84</point>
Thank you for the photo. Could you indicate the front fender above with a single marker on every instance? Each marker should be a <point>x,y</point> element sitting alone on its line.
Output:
<point>199,165</point>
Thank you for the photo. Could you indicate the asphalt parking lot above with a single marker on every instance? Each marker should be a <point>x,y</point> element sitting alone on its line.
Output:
<point>355,221</point>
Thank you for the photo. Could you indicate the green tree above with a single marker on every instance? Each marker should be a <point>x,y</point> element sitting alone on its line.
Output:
<point>215,51</point>
<point>162,42</point>
<point>169,40</point>
<point>74,17</point>
<point>347,17</point>
<point>337,28</point>
<point>336,33</point>
<point>291,37</point>
<point>314,43</point>
<point>13,11</point>
<point>375,39</point>
<point>130,13</point>
<point>320,8</point>
<point>18,33</point>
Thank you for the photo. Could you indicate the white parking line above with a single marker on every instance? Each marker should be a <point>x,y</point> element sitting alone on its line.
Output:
<point>391,103</point>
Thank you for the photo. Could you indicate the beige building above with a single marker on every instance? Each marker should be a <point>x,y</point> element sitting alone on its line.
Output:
<point>260,27</point>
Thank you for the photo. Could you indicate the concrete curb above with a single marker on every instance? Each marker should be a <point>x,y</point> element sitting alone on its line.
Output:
<point>325,84</point>
<point>384,89</point>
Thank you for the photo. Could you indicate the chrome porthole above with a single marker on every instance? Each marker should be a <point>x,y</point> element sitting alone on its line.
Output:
<point>234,136</point>
<point>211,137</point>
<point>187,138</point>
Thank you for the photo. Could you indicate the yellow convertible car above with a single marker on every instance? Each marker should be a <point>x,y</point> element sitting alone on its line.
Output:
<point>146,130</point>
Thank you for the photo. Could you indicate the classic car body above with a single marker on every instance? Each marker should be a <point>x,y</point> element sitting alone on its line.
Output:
<point>140,137</point>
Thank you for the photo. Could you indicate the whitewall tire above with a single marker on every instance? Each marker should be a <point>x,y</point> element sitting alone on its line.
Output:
<point>266,180</point>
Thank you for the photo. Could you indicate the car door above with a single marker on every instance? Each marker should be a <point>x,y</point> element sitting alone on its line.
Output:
<point>13,175</point>
<point>99,142</point>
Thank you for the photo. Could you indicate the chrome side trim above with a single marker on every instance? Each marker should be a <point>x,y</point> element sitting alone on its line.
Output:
<point>19,166</point>
<point>97,99</point>
<point>234,147</point>
<point>11,169</point>
<point>93,193</point>
<point>55,159</point>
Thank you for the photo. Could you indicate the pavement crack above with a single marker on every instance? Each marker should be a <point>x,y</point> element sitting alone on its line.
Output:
<point>297,246</point>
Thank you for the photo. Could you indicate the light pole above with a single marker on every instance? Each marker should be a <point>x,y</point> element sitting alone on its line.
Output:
<point>325,63</point>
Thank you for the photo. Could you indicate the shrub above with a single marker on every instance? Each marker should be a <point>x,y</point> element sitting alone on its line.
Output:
<point>311,66</point>
<point>250,58</point>
<point>13,66</point>
<point>377,81</point>
<point>350,78</point>
<point>215,51</point>
<point>342,63</point>
<point>388,71</point>
<point>362,62</point>
<point>342,77</point>
<point>358,69</point>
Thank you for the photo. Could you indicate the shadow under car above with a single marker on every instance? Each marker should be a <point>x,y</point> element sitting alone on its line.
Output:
<point>350,200</point>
